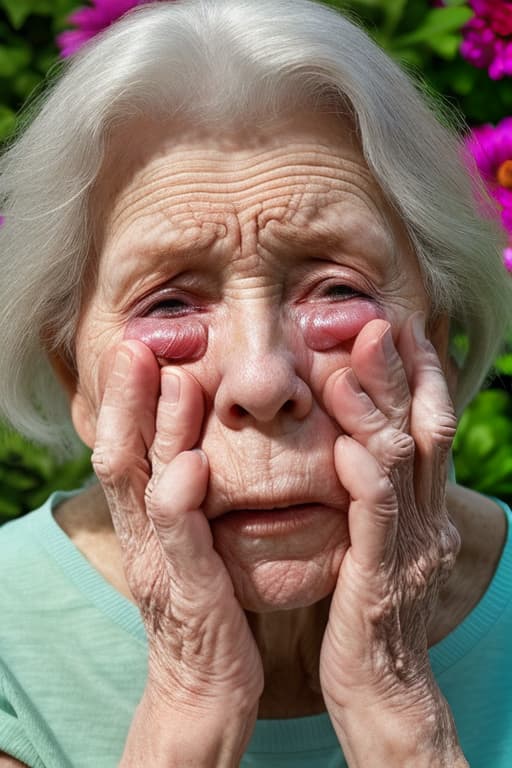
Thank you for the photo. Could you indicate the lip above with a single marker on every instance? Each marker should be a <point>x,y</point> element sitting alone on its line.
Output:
<point>264,522</point>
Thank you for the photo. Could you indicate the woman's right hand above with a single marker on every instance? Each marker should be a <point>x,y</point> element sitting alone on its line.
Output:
<point>205,675</point>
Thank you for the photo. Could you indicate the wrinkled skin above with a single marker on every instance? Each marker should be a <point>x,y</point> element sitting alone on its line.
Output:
<point>291,295</point>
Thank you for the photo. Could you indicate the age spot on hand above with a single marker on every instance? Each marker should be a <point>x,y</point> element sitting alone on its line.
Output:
<point>328,326</point>
<point>175,340</point>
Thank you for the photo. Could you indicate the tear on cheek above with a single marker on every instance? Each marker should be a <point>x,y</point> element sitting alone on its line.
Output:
<point>175,340</point>
<point>327,327</point>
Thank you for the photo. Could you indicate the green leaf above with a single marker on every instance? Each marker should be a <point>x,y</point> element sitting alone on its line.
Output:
<point>13,58</point>
<point>393,14</point>
<point>18,10</point>
<point>439,21</point>
<point>503,364</point>
<point>25,83</point>
<point>7,122</point>
<point>446,46</point>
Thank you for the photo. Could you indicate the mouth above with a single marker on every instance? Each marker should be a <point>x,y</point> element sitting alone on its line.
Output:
<point>269,521</point>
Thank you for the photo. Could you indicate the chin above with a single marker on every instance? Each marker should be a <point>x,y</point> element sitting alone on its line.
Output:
<point>284,586</point>
<point>274,572</point>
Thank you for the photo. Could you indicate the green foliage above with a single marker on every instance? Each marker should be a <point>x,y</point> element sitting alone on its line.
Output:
<point>27,50</point>
<point>28,474</point>
<point>483,444</point>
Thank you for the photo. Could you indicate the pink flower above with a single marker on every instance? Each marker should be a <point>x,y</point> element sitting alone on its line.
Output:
<point>91,20</point>
<point>487,42</point>
<point>491,148</point>
<point>507,258</point>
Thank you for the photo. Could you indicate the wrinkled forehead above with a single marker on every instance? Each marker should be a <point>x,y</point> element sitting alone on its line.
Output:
<point>162,174</point>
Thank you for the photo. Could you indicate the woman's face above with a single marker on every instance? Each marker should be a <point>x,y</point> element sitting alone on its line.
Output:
<point>252,261</point>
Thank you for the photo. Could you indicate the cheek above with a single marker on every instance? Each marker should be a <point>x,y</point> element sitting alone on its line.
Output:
<point>186,339</point>
<point>326,327</point>
<point>175,340</point>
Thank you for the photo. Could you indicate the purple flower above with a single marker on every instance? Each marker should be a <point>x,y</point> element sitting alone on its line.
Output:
<point>491,148</point>
<point>91,20</point>
<point>487,42</point>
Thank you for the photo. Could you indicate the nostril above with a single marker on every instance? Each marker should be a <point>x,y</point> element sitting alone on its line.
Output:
<point>288,406</point>
<point>238,411</point>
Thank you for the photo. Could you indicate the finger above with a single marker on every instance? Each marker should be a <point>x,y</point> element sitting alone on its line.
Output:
<point>124,429</point>
<point>179,416</point>
<point>373,511</point>
<point>173,504</point>
<point>380,371</point>
<point>358,416</point>
<point>432,418</point>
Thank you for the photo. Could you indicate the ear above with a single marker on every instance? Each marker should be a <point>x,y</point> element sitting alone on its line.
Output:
<point>82,413</point>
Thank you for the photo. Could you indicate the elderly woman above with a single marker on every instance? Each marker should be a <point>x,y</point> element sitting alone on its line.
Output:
<point>241,244</point>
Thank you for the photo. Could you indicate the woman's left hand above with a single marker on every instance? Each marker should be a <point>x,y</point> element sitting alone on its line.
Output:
<point>398,423</point>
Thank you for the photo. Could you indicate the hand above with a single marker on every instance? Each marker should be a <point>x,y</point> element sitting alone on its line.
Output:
<point>398,423</point>
<point>204,666</point>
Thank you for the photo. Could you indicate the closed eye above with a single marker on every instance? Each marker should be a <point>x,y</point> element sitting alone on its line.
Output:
<point>169,308</point>
<point>341,291</point>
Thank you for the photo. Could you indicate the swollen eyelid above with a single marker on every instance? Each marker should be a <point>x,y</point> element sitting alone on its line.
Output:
<point>327,326</point>
<point>176,340</point>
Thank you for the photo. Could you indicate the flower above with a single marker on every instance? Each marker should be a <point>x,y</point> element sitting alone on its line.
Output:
<point>91,20</point>
<point>487,42</point>
<point>507,258</point>
<point>491,148</point>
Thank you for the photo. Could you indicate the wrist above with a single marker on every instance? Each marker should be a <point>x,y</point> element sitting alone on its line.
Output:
<point>166,734</point>
<point>380,735</point>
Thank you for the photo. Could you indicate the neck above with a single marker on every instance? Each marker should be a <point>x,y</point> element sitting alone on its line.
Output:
<point>289,643</point>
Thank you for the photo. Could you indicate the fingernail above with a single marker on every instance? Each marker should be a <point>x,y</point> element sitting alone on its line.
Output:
<point>388,346</point>
<point>123,362</point>
<point>201,454</point>
<point>171,386</point>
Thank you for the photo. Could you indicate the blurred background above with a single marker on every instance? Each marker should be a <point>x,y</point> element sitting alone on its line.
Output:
<point>460,53</point>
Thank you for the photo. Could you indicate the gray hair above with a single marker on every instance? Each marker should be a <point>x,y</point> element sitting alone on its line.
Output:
<point>215,61</point>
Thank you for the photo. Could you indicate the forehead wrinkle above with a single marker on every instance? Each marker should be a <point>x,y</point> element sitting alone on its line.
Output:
<point>179,195</point>
<point>147,202</point>
<point>158,177</point>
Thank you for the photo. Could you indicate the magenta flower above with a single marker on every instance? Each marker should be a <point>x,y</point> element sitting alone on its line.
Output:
<point>487,42</point>
<point>91,20</point>
<point>507,258</point>
<point>491,148</point>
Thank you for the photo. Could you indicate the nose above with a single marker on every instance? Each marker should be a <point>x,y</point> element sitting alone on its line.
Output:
<point>260,382</point>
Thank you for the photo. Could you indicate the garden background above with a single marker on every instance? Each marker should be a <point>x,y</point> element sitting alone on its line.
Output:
<point>459,51</point>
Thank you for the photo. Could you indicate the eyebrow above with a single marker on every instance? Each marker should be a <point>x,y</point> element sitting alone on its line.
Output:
<point>134,263</point>
<point>375,245</point>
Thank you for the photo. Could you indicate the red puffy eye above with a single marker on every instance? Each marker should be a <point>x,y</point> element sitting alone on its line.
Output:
<point>327,326</point>
<point>174,340</point>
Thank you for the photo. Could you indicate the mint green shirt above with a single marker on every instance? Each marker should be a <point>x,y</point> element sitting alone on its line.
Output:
<point>73,657</point>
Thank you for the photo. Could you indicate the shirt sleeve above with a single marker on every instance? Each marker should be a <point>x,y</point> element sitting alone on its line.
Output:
<point>16,738</point>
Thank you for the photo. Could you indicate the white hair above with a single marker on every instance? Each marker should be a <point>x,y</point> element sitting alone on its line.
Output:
<point>217,61</point>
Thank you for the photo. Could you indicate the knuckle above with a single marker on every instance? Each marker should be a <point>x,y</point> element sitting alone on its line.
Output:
<point>449,548</point>
<point>114,468</point>
<point>444,428</point>
<point>159,507</point>
<point>402,446</point>
<point>393,448</point>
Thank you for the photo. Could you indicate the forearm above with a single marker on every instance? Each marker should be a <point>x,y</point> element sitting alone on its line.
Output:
<point>384,737</point>
<point>162,737</point>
